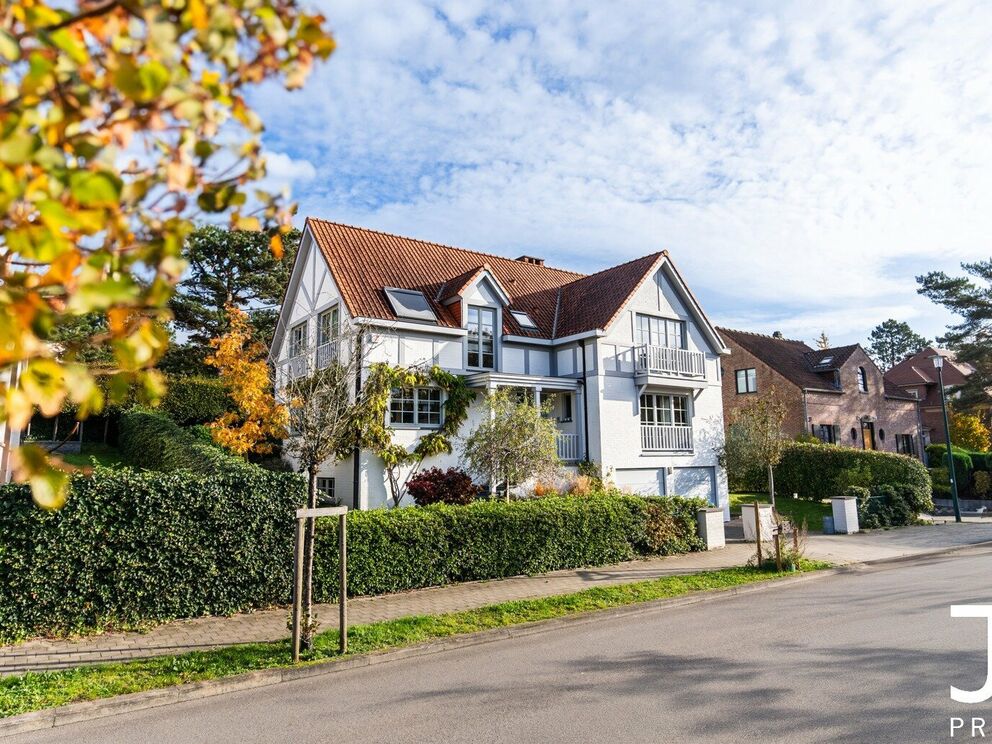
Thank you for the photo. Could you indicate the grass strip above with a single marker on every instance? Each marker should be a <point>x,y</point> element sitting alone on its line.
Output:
<point>39,690</point>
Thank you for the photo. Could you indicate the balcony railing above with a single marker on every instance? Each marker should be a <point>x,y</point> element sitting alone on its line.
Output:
<point>668,361</point>
<point>326,353</point>
<point>568,447</point>
<point>660,438</point>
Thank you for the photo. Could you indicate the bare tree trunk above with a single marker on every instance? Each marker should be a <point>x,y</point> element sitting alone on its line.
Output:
<point>771,484</point>
<point>306,640</point>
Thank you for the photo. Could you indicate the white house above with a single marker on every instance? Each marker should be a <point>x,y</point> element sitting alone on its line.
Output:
<point>628,354</point>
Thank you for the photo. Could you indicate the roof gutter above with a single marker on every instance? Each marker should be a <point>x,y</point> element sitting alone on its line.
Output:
<point>402,325</point>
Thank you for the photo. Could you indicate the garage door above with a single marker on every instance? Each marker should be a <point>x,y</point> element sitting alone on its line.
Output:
<point>695,482</point>
<point>647,481</point>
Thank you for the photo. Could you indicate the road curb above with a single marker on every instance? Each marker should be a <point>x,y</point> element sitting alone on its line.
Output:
<point>106,707</point>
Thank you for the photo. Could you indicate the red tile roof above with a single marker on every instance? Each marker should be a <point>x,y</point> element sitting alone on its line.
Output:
<point>560,302</point>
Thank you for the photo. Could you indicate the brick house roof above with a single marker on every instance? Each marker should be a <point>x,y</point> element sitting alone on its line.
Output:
<point>363,262</point>
<point>796,361</point>
<point>918,371</point>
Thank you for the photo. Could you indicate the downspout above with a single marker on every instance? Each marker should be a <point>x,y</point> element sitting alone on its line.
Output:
<point>806,423</point>
<point>356,452</point>
<point>585,404</point>
<point>919,433</point>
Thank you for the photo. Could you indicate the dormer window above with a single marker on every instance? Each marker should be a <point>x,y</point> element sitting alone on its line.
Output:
<point>524,320</point>
<point>481,337</point>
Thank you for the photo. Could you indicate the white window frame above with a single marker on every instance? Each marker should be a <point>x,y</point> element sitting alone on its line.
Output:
<point>862,380</point>
<point>294,344</point>
<point>660,331</point>
<point>477,336</point>
<point>653,405</point>
<point>333,328</point>
<point>437,395</point>
<point>326,486</point>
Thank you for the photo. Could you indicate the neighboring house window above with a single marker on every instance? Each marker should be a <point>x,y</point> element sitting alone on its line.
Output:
<point>297,340</point>
<point>828,433</point>
<point>653,331</point>
<point>862,380</point>
<point>664,410</point>
<point>481,337</point>
<point>906,444</point>
<point>415,406</point>
<point>747,381</point>
<point>327,326</point>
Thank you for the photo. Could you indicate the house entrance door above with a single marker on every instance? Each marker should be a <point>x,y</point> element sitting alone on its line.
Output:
<point>868,434</point>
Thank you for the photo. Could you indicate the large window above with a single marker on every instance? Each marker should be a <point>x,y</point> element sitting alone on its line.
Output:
<point>327,326</point>
<point>297,340</point>
<point>862,380</point>
<point>906,444</point>
<point>415,406</point>
<point>481,337</point>
<point>827,433</point>
<point>664,410</point>
<point>747,381</point>
<point>654,331</point>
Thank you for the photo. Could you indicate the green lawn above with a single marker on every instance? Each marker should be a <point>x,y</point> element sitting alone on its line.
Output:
<point>49,689</point>
<point>797,510</point>
<point>104,455</point>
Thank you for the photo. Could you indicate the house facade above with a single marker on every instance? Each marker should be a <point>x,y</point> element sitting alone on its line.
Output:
<point>917,377</point>
<point>627,355</point>
<point>838,395</point>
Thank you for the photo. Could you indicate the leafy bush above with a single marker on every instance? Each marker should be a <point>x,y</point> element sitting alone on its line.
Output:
<point>133,547</point>
<point>150,439</point>
<point>819,471</point>
<point>436,486</point>
<point>981,461</point>
<point>886,506</point>
<point>195,400</point>
<point>963,459</point>
<point>982,485</point>
<point>940,482</point>
<point>400,549</point>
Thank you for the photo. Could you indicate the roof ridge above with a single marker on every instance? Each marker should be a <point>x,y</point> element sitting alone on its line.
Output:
<point>765,335</point>
<point>445,245</point>
<point>620,265</point>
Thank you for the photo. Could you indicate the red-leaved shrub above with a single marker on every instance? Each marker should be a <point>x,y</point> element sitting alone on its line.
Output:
<point>436,486</point>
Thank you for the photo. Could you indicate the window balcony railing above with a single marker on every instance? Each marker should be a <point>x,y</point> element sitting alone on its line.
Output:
<point>568,447</point>
<point>326,354</point>
<point>666,438</point>
<point>670,361</point>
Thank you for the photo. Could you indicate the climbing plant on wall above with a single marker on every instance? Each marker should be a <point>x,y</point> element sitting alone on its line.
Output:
<point>373,433</point>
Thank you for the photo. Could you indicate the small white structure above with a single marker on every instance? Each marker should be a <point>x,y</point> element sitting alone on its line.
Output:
<point>10,439</point>
<point>710,522</point>
<point>627,354</point>
<point>766,517</point>
<point>845,509</point>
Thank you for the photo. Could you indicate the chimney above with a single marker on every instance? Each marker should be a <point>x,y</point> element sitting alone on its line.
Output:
<point>777,334</point>
<point>531,260</point>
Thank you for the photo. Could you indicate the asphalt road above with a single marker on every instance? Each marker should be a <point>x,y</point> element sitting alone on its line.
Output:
<point>865,657</point>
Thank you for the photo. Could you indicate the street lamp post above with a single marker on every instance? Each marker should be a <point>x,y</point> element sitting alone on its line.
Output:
<point>938,363</point>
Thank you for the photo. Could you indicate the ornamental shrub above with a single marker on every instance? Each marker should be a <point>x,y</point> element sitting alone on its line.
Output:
<point>982,485</point>
<point>195,400</point>
<point>886,506</point>
<point>401,549</point>
<point>436,486</point>
<point>150,439</point>
<point>133,547</point>
<point>820,471</point>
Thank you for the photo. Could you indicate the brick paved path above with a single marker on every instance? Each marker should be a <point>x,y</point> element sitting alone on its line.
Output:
<point>269,625</point>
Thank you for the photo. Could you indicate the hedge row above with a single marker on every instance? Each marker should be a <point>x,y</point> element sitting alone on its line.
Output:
<point>819,471</point>
<point>135,547</point>
<point>195,400</point>
<point>397,550</point>
<point>150,439</point>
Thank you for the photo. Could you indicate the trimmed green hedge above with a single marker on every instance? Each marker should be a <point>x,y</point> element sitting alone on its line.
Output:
<point>195,400</point>
<point>150,439</point>
<point>820,471</point>
<point>390,551</point>
<point>135,547</point>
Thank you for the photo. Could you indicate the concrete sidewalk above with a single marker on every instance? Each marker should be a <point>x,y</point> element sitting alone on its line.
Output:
<point>268,625</point>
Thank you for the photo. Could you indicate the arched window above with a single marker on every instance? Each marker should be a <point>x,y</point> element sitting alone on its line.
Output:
<point>862,380</point>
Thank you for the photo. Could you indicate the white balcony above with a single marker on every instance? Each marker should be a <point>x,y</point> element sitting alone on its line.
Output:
<point>662,438</point>
<point>664,360</point>
<point>568,447</point>
<point>326,354</point>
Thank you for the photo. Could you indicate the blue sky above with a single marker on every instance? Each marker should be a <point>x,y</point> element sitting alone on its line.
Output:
<point>801,162</point>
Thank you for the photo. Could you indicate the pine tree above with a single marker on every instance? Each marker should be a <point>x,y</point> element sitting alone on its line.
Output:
<point>823,342</point>
<point>892,341</point>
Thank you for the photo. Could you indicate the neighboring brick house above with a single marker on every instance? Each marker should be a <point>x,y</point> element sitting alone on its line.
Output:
<point>838,395</point>
<point>917,377</point>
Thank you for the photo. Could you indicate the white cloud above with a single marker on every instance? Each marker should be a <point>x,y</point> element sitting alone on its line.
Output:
<point>800,162</point>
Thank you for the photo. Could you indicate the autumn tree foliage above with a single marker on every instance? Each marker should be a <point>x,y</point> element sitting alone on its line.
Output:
<point>968,432</point>
<point>122,121</point>
<point>241,363</point>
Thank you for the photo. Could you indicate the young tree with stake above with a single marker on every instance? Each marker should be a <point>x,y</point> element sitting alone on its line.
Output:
<point>754,439</point>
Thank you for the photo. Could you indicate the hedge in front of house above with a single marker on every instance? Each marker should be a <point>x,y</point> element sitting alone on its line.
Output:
<point>397,550</point>
<point>820,471</point>
<point>150,439</point>
<point>195,400</point>
<point>133,547</point>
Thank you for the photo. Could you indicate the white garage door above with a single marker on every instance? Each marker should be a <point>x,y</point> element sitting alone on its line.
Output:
<point>646,481</point>
<point>695,482</point>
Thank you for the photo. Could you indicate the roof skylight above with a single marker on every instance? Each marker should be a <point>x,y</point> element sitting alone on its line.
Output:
<point>523,319</point>
<point>410,304</point>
